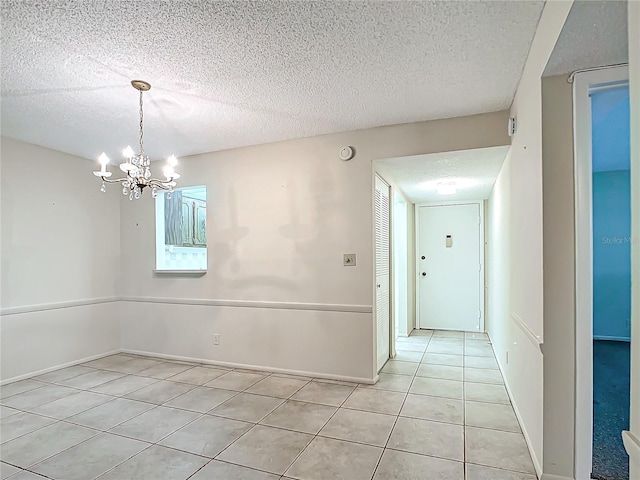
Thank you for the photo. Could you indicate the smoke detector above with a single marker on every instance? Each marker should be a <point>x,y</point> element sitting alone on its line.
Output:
<point>346,153</point>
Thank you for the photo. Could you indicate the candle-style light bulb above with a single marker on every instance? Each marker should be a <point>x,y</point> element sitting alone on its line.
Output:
<point>172,160</point>
<point>103,159</point>
<point>168,171</point>
<point>127,152</point>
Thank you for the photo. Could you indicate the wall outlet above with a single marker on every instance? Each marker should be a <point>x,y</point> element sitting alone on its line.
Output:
<point>216,339</point>
<point>349,259</point>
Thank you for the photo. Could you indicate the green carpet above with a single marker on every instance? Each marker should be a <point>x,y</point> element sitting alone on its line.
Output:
<point>611,362</point>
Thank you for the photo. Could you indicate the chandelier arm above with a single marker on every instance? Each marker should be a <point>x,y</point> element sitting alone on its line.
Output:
<point>151,181</point>
<point>164,184</point>
<point>115,180</point>
<point>171,179</point>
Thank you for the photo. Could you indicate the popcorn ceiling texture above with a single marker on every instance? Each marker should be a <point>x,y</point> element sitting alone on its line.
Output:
<point>594,35</point>
<point>474,171</point>
<point>231,74</point>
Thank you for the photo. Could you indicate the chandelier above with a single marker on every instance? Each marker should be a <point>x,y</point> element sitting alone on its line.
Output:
<point>138,166</point>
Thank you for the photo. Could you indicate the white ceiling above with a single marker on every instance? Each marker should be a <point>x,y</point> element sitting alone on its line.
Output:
<point>594,35</point>
<point>474,172</point>
<point>235,73</point>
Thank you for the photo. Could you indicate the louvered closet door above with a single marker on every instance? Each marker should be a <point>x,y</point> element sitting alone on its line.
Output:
<point>382,270</point>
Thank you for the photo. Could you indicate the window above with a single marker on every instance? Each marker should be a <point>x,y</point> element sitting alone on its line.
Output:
<point>181,230</point>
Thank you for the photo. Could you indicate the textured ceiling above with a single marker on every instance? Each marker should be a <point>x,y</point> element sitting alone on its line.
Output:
<point>594,35</point>
<point>235,73</point>
<point>473,171</point>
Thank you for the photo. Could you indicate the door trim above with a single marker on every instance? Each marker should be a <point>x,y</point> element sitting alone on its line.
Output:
<point>395,295</point>
<point>613,77</point>
<point>481,273</point>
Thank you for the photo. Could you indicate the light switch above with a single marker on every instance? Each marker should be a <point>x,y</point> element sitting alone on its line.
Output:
<point>449,241</point>
<point>349,259</point>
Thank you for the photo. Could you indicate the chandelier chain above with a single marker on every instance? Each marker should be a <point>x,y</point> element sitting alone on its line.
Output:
<point>141,118</point>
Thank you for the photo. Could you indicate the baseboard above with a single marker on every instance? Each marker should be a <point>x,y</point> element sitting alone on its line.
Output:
<point>262,368</point>
<point>536,462</point>
<point>301,373</point>
<point>57,367</point>
<point>613,339</point>
<point>632,445</point>
<point>548,476</point>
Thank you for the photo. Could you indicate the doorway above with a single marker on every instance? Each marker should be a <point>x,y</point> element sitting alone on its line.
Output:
<point>603,272</point>
<point>450,257</point>
<point>403,185</point>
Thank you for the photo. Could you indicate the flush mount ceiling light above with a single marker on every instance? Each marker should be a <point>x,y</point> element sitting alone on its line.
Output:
<point>138,166</point>
<point>446,188</point>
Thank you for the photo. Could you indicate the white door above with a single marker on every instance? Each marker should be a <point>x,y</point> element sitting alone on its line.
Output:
<point>449,267</point>
<point>382,270</point>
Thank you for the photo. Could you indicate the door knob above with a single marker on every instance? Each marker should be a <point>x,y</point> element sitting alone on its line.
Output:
<point>422,257</point>
<point>378,285</point>
<point>424,274</point>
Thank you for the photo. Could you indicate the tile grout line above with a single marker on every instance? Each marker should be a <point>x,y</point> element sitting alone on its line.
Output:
<point>156,443</point>
<point>150,444</point>
<point>464,409</point>
<point>318,432</point>
<point>211,459</point>
<point>399,411</point>
<point>100,431</point>
<point>285,400</point>
<point>236,393</point>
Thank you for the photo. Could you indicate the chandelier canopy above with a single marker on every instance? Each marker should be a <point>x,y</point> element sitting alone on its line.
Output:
<point>138,166</point>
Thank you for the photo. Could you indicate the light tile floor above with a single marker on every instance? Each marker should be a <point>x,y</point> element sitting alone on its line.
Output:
<point>439,411</point>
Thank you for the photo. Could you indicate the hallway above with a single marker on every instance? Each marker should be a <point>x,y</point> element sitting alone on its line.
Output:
<point>457,381</point>
<point>128,417</point>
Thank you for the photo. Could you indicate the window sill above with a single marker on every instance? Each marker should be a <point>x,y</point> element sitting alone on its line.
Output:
<point>181,273</point>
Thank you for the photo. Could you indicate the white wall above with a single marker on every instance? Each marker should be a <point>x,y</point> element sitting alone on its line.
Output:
<point>515,247</point>
<point>518,355</point>
<point>400,261</point>
<point>559,277</point>
<point>60,261</point>
<point>498,321</point>
<point>632,440</point>
<point>280,216</point>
